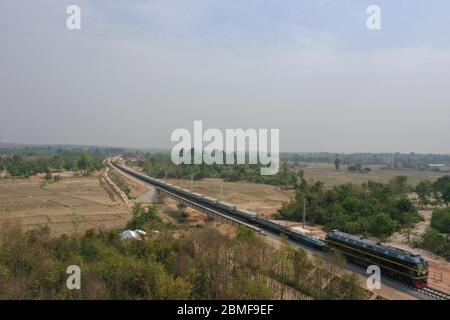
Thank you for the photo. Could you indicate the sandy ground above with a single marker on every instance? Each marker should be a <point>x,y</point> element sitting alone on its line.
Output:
<point>71,205</point>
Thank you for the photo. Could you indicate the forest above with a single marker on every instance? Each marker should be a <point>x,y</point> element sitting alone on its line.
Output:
<point>25,164</point>
<point>437,238</point>
<point>371,208</point>
<point>202,264</point>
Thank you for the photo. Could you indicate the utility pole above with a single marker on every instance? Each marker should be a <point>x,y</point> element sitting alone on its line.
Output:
<point>192,183</point>
<point>221,189</point>
<point>304,211</point>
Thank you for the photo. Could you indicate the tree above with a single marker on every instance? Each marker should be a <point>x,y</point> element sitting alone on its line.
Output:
<point>424,190</point>
<point>357,167</point>
<point>433,241</point>
<point>442,188</point>
<point>84,162</point>
<point>399,184</point>
<point>441,183</point>
<point>142,215</point>
<point>440,220</point>
<point>349,288</point>
<point>48,176</point>
<point>446,195</point>
<point>284,173</point>
<point>383,225</point>
<point>337,163</point>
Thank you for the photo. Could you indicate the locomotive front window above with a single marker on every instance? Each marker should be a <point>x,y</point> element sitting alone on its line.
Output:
<point>422,265</point>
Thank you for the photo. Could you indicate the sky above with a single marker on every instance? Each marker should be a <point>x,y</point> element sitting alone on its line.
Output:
<point>137,70</point>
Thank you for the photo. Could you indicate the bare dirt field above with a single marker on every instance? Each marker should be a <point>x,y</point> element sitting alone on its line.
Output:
<point>261,198</point>
<point>71,205</point>
<point>327,173</point>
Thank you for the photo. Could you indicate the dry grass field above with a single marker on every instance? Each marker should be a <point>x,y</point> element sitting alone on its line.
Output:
<point>327,173</point>
<point>260,198</point>
<point>70,205</point>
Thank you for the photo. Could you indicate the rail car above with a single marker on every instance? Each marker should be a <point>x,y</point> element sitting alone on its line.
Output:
<point>271,226</point>
<point>247,215</point>
<point>307,240</point>
<point>211,200</point>
<point>231,208</point>
<point>196,195</point>
<point>395,263</point>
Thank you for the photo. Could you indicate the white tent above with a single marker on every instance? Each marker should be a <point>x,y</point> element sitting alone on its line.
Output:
<point>132,234</point>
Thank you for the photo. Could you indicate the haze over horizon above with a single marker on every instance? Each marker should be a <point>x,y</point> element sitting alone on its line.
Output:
<point>138,70</point>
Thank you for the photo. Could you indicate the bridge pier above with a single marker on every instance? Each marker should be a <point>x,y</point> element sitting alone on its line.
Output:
<point>158,196</point>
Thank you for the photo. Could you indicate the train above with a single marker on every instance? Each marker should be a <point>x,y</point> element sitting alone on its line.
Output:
<point>395,263</point>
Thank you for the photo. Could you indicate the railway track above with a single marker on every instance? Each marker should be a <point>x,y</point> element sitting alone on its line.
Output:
<point>427,291</point>
<point>438,295</point>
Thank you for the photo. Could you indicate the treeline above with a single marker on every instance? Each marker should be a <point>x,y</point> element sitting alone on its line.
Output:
<point>203,264</point>
<point>437,238</point>
<point>372,208</point>
<point>390,160</point>
<point>436,192</point>
<point>160,165</point>
<point>21,165</point>
<point>50,150</point>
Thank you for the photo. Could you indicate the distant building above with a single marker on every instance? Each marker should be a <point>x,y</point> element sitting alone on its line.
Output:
<point>436,165</point>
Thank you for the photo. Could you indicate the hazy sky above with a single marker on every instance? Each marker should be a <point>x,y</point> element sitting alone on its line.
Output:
<point>139,69</point>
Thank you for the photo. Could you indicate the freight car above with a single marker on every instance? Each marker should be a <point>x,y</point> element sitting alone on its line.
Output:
<point>228,207</point>
<point>247,215</point>
<point>314,242</point>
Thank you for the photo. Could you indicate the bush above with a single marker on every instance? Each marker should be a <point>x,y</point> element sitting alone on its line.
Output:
<point>440,220</point>
<point>141,216</point>
<point>435,242</point>
<point>374,208</point>
<point>48,176</point>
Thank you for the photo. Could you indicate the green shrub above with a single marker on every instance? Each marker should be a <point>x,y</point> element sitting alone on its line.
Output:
<point>440,220</point>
